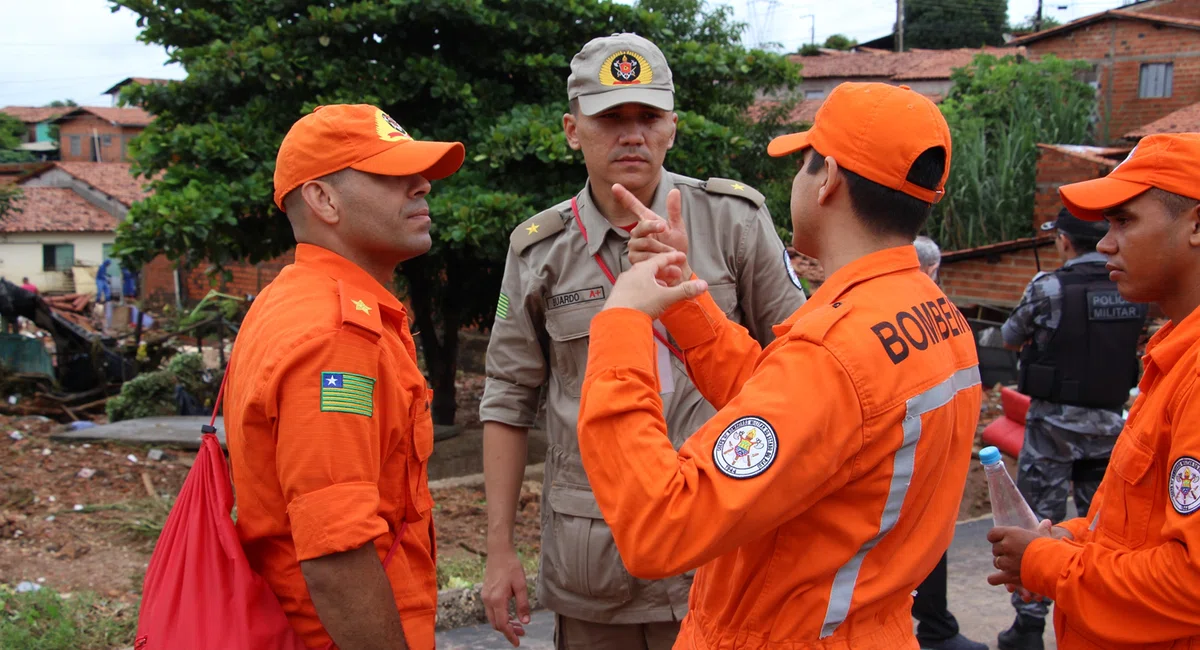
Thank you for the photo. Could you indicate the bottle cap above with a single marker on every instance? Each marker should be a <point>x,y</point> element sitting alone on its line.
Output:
<point>989,455</point>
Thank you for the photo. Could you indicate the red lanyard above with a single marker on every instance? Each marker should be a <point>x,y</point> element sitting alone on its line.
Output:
<point>613,279</point>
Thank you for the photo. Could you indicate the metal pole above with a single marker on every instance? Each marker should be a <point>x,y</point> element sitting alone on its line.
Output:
<point>899,25</point>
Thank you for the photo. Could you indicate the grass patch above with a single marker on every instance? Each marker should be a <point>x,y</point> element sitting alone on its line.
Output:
<point>44,620</point>
<point>141,519</point>
<point>461,573</point>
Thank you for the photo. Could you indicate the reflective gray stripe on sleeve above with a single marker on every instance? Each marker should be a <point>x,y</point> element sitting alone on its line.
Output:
<point>902,473</point>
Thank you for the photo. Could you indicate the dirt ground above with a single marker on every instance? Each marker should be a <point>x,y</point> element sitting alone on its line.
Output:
<point>74,530</point>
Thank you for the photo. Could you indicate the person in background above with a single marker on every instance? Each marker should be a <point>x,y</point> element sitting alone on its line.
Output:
<point>103,285</point>
<point>1127,575</point>
<point>1078,340</point>
<point>29,286</point>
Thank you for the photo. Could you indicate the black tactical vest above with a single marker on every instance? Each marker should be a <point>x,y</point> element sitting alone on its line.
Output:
<point>1091,359</point>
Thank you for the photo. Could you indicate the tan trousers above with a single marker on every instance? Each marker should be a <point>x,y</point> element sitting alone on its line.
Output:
<point>574,634</point>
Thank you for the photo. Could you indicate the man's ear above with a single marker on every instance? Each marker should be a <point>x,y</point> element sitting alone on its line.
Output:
<point>833,180</point>
<point>571,130</point>
<point>323,200</point>
<point>1193,218</point>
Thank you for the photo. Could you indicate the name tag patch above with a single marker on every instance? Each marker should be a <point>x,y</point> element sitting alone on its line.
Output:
<point>1110,306</point>
<point>574,298</point>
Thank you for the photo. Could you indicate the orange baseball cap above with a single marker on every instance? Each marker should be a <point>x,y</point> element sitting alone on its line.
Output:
<point>358,136</point>
<point>876,131</point>
<point>1168,162</point>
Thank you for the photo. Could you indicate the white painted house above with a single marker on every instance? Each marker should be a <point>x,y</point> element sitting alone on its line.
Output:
<point>67,225</point>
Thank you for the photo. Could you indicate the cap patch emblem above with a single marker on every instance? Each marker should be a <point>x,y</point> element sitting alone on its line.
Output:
<point>625,68</point>
<point>388,129</point>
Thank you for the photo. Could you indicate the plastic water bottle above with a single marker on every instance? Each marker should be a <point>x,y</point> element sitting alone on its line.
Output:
<point>1008,506</point>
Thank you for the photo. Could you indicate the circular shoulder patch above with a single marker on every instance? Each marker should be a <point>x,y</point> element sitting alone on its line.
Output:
<point>1184,487</point>
<point>746,448</point>
<point>791,270</point>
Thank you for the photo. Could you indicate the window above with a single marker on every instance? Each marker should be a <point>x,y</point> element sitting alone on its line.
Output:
<point>76,148</point>
<point>1156,80</point>
<point>58,257</point>
<point>814,94</point>
<point>106,140</point>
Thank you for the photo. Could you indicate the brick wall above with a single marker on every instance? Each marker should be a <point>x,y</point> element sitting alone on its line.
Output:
<point>997,279</point>
<point>1055,169</point>
<point>1117,49</point>
<point>1173,8</point>
<point>158,279</point>
<point>83,126</point>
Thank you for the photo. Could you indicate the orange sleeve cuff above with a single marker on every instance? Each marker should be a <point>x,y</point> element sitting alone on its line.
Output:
<point>622,338</point>
<point>1045,560</point>
<point>693,322</point>
<point>1078,527</point>
<point>338,518</point>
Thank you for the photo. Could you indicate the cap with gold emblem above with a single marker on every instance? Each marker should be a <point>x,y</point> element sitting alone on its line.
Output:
<point>358,136</point>
<point>620,69</point>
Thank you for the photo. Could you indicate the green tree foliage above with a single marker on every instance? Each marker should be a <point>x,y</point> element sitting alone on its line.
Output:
<point>489,73</point>
<point>12,131</point>
<point>840,42</point>
<point>998,111</point>
<point>949,24</point>
<point>1027,25</point>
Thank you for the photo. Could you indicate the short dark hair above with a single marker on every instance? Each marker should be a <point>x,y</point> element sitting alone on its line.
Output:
<point>887,211</point>
<point>1176,204</point>
<point>573,105</point>
<point>1080,243</point>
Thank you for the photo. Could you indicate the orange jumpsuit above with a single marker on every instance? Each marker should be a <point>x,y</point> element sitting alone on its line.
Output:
<point>330,434</point>
<point>1131,577</point>
<point>826,487</point>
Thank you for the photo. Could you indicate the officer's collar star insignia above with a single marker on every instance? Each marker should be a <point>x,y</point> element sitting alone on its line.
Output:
<point>738,186</point>
<point>532,229</point>
<point>362,306</point>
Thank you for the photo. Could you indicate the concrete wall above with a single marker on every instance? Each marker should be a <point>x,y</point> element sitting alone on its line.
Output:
<point>1117,49</point>
<point>929,88</point>
<point>21,256</point>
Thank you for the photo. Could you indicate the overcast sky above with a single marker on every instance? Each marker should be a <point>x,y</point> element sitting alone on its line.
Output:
<point>77,49</point>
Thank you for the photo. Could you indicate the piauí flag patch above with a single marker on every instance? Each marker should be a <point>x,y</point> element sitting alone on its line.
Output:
<point>347,392</point>
<point>502,306</point>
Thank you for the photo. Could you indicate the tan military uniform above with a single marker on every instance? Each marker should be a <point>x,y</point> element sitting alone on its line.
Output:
<point>551,289</point>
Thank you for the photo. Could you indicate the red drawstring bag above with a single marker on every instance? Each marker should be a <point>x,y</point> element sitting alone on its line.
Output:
<point>200,592</point>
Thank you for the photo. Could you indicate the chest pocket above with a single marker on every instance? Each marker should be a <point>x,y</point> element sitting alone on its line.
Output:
<point>1130,492</point>
<point>568,329</point>
<point>420,503</point>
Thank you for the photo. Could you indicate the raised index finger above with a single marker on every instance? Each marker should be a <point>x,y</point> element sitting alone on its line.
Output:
<point>631,203</point>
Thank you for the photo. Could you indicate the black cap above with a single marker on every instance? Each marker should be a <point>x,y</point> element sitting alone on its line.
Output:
<point>1074,226</point>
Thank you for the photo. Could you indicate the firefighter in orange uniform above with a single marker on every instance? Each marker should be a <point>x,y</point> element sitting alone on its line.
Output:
<point>1128,574</point>
<point>327,412</point>
<point>826,487</point>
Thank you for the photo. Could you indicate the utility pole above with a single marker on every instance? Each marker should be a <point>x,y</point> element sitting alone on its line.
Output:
<point>900,25</point>
<point>1037,22</point>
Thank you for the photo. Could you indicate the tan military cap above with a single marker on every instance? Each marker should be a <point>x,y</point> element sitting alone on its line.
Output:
<point>620,69</point>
